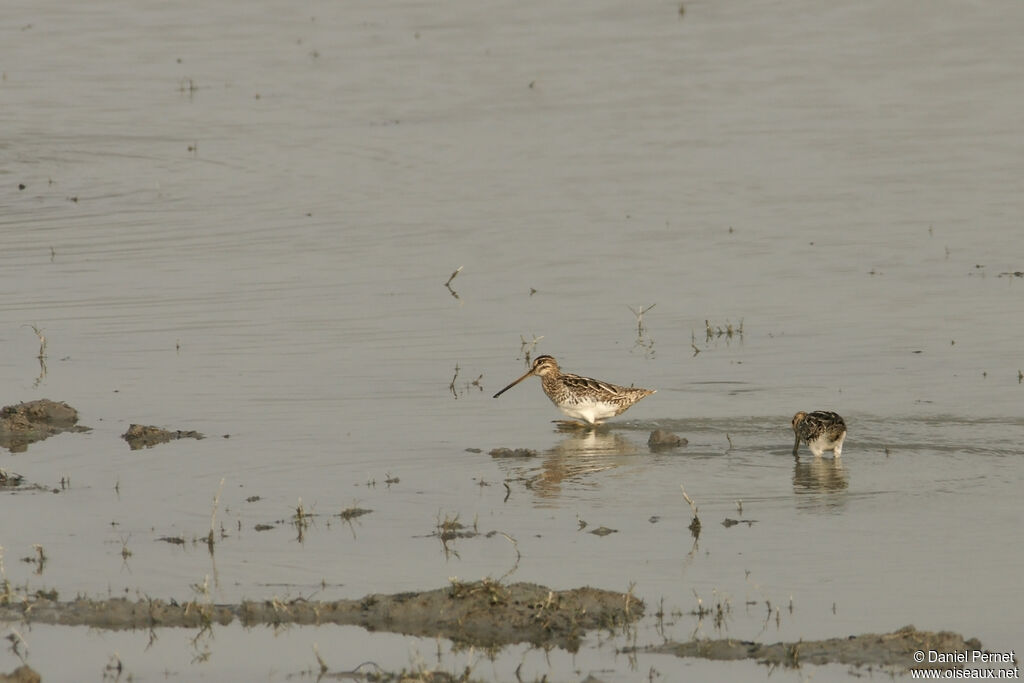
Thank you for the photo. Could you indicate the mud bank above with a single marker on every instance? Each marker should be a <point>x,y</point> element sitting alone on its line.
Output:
<point>894,649</point>
<point>23,674</point>
<point>147,436</point>
<point>26,423</point>
<point>483,613</point>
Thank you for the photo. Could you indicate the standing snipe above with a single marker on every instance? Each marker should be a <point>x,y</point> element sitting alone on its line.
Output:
<point>821,430</point>
<point>578,397</point>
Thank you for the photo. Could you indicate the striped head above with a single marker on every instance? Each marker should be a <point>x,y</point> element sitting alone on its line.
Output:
<point>798,418</point>
<point>542,367</point>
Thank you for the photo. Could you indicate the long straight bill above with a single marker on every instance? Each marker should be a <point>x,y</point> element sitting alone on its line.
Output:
<point>529,372</point>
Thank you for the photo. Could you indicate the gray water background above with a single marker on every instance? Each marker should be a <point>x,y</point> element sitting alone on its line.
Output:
<point>239,218</point>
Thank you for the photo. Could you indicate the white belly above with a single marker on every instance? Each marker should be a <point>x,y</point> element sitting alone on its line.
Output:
<point>824,443</point>
<point>589,411</point>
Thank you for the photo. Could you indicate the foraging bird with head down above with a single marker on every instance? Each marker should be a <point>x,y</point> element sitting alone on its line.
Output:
<point>581,398</point>
<point>821,430</point>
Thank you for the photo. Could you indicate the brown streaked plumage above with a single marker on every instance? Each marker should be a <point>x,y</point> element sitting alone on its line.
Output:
<point>582,398</point>
<point>821,430</point>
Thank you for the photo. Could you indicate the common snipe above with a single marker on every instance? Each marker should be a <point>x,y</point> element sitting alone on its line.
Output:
<point>582,398</point>
<point>821,430</point>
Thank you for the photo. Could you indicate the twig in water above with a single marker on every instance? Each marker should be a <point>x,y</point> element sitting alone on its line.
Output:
<point>701,609</point>
<point>448,283</point>
<point>452,277</point>
<point>213,516</point>
<point>42,340</point>
<point>303,519</point>
<point>640,318</point>
<point>114,667</point>
<point>527,347</point>
<point>452,385</point>
<point>646,344</point>
<point>7,594</point>
<point>693,506</point>
<point>695,522</point>
<point>319,659</point>
<point>125,553</point>
<point>40,560</point>
<point>16,641</point>
<point>515,565</point>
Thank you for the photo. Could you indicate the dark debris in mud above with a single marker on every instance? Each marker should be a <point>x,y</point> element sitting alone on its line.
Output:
<point>173,540</point>
<point>483,613</point>
<point>894,649</point>
<point>402,677</point>
<point>513,453</point>
<point>147,436</point>
<point>353,512</point>
<point>8,478</point>
<point>661,439</point>
<point>451,528</point>
<point>377,675</point>
<point>28,422</point>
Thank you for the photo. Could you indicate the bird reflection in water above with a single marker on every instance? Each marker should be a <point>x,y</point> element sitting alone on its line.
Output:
<point>576,458</point>
<point>823,476</point>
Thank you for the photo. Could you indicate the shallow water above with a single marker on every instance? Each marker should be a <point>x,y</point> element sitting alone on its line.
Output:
<point>240,220</point>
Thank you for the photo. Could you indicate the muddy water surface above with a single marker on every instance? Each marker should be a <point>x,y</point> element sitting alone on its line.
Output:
<point>240,221</point>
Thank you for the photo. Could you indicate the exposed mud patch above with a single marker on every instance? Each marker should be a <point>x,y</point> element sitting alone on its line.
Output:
<point>894,649</point>
<point>23,674</point>
<point>147,436</point>
<point>33,421</point>
<point>661,439</point>
<point>482,613</point>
